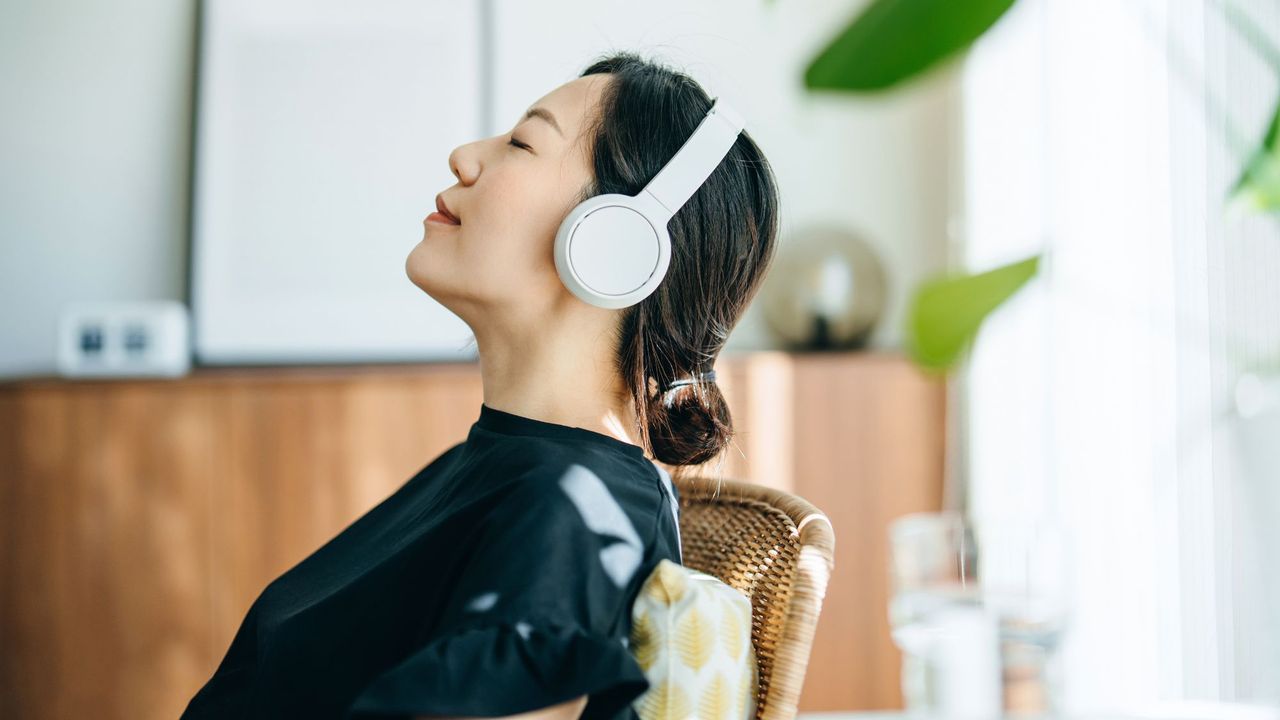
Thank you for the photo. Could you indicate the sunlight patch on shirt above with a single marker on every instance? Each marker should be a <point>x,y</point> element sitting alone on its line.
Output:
<point>621,561</point>
<point>604,516</point>
<point>482,602</point>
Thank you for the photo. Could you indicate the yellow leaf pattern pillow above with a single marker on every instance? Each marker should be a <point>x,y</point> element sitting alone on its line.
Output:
<point>691,633</point>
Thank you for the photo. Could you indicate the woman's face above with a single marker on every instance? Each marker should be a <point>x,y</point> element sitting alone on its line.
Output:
<point>510,201</point>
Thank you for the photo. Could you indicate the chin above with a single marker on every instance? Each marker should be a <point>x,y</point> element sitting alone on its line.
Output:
<point>415,266</point>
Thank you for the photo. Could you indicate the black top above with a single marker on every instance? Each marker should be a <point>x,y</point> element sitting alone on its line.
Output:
<point>499,579</point>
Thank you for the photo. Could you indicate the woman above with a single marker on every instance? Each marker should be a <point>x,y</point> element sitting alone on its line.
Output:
<point>498,581</point>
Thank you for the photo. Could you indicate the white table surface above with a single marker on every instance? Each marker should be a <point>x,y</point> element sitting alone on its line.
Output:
<point>1185,710</point>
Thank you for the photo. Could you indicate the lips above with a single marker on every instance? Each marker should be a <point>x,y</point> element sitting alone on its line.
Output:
<point>444,210</point>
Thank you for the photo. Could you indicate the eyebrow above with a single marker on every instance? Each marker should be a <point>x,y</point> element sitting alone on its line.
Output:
<point>545,115</point>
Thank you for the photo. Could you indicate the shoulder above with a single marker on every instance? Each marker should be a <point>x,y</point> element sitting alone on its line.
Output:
<point>572,502</point>
<point>566,478</point>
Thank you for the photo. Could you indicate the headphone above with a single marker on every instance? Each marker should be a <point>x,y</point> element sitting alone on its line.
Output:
<point>612,250</point>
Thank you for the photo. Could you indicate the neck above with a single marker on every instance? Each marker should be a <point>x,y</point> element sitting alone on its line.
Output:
<point>561,370</point>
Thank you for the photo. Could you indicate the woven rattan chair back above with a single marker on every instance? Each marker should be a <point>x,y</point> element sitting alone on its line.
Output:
<point>778,550</point>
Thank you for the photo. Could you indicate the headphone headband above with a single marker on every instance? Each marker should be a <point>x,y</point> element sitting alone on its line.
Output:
<point>694,162</point>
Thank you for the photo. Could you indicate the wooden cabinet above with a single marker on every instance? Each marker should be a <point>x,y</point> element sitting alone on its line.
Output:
<point>140,518</point>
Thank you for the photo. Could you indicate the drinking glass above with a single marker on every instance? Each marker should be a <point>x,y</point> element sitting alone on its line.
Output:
<point>937,618</point>
<point>978,611</point>
<point>1025,586</point>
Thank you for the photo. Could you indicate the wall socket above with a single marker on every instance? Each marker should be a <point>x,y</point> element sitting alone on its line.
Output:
<point>124,339</point>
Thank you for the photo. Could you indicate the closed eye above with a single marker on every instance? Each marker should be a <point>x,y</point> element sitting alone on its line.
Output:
<point>518,144</point>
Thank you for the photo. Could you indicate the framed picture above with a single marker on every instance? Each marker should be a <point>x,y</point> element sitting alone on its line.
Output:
<point>322,135</point>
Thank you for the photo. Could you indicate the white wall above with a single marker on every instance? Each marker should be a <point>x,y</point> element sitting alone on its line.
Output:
<point>97,128</point>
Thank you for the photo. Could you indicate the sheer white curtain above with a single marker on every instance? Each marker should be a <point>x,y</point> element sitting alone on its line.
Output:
<point>1105,394</point>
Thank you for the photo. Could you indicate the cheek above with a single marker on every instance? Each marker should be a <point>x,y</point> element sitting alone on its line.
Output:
<point>513,256</point>
<point>527,202</point>
<point>517,227</point>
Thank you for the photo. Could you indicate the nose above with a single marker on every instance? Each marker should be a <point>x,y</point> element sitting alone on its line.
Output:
<point>464,162</point>
<point>454,160</point>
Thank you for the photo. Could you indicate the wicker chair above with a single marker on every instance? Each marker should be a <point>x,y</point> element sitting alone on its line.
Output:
<point>778,550</point>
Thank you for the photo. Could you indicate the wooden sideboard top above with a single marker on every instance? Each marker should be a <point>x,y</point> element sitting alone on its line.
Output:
<point>407,370</point>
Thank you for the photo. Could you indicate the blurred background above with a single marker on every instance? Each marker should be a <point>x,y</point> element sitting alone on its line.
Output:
<point>1026,289</point>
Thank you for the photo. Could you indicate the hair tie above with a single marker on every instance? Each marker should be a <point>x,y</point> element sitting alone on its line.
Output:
<point>709,375</point>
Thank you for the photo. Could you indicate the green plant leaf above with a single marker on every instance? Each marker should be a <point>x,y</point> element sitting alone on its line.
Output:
<point>946,312</point>
<point>1259,185</point>
<point>893,40</point>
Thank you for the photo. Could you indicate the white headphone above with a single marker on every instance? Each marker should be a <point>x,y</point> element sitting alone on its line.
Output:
<point>612,250</point>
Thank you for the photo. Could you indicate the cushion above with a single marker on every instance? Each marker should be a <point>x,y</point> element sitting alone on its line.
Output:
<point>691,634</point>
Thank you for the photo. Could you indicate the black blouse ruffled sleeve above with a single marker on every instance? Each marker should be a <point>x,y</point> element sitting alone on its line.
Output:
<point>538,615</point>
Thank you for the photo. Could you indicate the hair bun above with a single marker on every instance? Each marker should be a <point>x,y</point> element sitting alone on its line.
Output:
<point>690,423</point>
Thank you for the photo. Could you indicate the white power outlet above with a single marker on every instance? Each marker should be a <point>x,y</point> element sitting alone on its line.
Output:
<point>124,339</point>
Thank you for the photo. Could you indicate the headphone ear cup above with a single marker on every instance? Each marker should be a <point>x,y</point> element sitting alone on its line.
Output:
<point>609,253</point>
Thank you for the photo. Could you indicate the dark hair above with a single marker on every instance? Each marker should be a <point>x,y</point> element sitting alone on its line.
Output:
<point>722,244</point>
